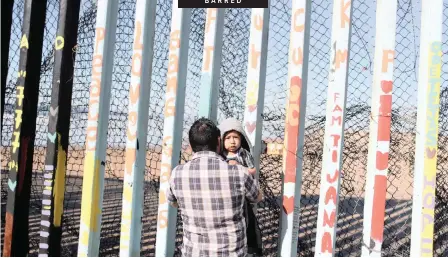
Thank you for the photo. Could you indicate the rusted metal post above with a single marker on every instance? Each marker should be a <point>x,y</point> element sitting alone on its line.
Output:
<point>58,129</point>
<point>21,163</point>
<point>7,7</point>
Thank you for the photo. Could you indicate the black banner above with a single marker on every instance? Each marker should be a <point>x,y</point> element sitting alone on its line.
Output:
<point>223,3</point>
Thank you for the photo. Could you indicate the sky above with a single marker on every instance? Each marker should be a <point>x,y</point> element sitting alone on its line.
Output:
<point>360,69</point>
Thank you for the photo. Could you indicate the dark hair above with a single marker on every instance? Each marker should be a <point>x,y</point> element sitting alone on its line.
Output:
<point>204,135</point>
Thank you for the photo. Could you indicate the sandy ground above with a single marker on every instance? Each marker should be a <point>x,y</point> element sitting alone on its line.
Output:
<point>349,234</point>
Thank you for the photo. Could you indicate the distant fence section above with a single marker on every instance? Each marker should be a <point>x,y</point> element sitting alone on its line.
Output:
<point>345,103</point>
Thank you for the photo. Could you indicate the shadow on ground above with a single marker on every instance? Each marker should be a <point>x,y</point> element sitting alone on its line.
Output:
<point>349,234</point>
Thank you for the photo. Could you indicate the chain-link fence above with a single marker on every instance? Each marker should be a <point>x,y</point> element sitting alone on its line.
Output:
<point>231,103</point>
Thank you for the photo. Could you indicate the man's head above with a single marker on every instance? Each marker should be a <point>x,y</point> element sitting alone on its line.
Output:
<point>204,135</point>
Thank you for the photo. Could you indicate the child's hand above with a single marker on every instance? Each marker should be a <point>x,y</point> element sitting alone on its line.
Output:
<point>252,171</point>
<point>233,162</point>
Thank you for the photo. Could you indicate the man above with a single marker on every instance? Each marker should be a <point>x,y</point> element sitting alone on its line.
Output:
<point>210,195</point>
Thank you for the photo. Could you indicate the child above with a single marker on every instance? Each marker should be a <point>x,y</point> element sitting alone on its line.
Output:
<point>237,150</point>
<point>236,146</point>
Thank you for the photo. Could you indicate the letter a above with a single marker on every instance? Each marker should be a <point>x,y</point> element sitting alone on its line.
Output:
<point>327,245</point>
<point>24,42</point>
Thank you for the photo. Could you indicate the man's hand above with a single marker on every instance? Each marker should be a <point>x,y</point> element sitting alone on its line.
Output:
<point>174,204</point>
<point>260,196</point>
<point>252,171</point>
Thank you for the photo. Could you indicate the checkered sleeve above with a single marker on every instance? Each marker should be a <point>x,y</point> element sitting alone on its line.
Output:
<point>170,194</point>
<point>252,187</point>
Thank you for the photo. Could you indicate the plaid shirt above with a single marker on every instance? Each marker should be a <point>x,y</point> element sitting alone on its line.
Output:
<point>210,194</point>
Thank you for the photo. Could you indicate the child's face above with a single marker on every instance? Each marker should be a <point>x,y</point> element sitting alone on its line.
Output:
<point>232,141</point>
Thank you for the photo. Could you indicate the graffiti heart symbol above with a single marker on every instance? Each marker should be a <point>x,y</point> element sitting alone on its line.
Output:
<point>53,112</point>
<point>252,108</point>
<point>381,160</point>
<point>288,204</point>
<point>251,127</point>
<point>52,137</point>
<point>430,153</point>
<point>386,86</point>
<point>12,185</point>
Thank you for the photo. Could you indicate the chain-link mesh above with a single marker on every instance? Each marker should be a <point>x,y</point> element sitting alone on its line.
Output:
<point>231,103</point>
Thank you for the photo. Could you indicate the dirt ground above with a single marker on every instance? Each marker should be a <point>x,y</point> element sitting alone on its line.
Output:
<point>349,234</point>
